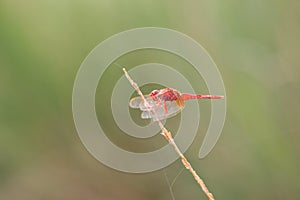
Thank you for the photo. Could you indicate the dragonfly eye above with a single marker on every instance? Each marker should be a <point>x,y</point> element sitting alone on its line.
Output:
<point>154,92</point>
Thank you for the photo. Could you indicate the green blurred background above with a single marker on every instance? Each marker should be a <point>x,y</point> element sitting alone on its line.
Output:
<point>255,45</point>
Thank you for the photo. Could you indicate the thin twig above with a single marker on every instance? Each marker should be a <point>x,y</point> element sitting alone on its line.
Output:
<point>170,139</point>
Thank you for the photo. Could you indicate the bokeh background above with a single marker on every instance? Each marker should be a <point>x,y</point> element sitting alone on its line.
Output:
<point>255,45</point>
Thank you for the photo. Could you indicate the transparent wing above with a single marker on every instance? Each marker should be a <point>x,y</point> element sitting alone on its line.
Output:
<point>163,110</point>
<point>137,102</point>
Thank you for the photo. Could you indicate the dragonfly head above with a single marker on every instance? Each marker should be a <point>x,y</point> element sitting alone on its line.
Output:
<point>153,93</point>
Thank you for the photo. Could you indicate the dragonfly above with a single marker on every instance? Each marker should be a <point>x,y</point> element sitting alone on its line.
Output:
<point>164,103</point>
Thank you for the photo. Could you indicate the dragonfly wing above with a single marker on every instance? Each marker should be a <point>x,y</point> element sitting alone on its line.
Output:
<point>151,103</point>
<point>150,115</point>
<point>146,115</point>
<point>162,110</point>
<point>170,109</point>
<point>135,102</point>
<point>174,108</point>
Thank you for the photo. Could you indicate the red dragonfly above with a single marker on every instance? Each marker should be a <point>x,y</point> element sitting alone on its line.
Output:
<point>164,103</point>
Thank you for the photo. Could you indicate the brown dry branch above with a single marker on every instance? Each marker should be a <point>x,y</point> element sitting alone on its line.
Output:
<point>168,136</point>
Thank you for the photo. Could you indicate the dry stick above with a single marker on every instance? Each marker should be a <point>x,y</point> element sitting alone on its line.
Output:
<point>170,139</point>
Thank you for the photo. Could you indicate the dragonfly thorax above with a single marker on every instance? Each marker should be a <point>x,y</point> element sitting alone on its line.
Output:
<point>154,92</point>
<point>166,94</point>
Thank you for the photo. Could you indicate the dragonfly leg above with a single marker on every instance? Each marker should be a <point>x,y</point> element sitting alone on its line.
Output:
<point>165,107</point>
